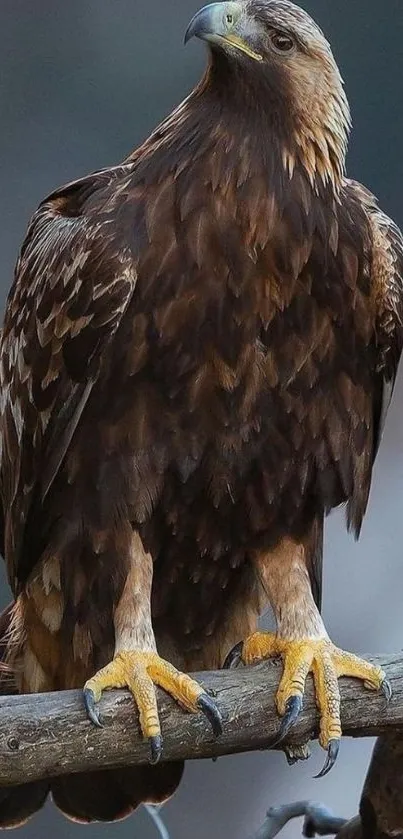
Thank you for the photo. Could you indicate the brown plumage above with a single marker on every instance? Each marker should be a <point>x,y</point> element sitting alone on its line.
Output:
<point>198,351</point>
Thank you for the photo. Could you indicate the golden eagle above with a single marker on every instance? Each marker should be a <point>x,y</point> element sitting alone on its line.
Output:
<point>198,351</point>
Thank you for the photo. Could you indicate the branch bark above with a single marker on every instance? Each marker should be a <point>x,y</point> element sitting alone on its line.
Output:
<point>44,735</point>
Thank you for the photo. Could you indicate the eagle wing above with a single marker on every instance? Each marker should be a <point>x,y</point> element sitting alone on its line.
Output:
<point>387,299</point>
<point>73,282</point>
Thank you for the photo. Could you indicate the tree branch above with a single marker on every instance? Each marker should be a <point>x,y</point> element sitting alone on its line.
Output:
<point>318,820</point>
<point>45,735</point>
<point>381,805</point>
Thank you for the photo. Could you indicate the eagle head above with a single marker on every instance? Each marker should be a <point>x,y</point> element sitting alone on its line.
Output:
<point>276,54</point>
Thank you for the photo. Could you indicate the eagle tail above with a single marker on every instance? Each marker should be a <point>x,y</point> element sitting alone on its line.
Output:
<point>17,804</point>
<point>105,795</point>
<point>111,795</point>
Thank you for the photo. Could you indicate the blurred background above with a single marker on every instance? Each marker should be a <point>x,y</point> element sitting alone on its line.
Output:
<point>81,83</point>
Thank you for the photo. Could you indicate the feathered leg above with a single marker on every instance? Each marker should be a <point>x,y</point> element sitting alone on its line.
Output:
<point>304,645</point>
<point>136,663</point>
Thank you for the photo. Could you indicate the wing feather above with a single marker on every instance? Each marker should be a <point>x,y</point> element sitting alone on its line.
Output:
<point>387,299</point>
<point>73,282</point>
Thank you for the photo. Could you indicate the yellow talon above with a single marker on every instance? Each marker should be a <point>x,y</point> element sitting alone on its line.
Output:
<point>140,672</point>
<point>326,662</point>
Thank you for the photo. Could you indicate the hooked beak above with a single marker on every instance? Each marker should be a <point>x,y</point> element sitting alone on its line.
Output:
<point>223,24</point>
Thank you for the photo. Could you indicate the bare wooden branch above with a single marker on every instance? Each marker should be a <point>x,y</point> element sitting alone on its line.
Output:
<point>381,805</point>
<point>45,735</point>
<point>318,820</point>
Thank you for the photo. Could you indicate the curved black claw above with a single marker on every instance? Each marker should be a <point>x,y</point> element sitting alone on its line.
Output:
<point>156,747</point>
<point>210,710</point>
<point>386,689</point>
<point>234,657</point>
<point>90,707</point>
<point>293,709</point>
<point>332,752</point>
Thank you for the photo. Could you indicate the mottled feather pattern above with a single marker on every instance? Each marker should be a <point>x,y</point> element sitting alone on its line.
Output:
<point>195,346</point>
<point>197,357</point>
<point>239,373</point>
<point>387,279</point>
<point>386,297</point>
<point>63,309</point>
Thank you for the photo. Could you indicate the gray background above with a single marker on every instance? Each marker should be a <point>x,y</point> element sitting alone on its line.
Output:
<point>81,83</point>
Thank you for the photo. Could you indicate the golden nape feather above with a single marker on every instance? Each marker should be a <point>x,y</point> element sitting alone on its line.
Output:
<point>198,351</point>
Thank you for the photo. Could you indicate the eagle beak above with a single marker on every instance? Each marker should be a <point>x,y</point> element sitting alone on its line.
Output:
<point>222,24</point>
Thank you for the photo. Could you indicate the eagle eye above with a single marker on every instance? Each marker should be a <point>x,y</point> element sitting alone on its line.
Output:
<point>281,42</point>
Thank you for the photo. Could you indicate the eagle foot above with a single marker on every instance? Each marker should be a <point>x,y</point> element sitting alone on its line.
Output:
<point>139,672</point>
<point>327,663</point>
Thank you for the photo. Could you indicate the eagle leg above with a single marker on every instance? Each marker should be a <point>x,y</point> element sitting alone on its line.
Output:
<point>140,671</point>
<point>136,664</point>
<point>303,644</point>
<point>327,663</point>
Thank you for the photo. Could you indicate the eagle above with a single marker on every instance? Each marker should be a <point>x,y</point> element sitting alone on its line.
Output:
<point>198,352</point>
